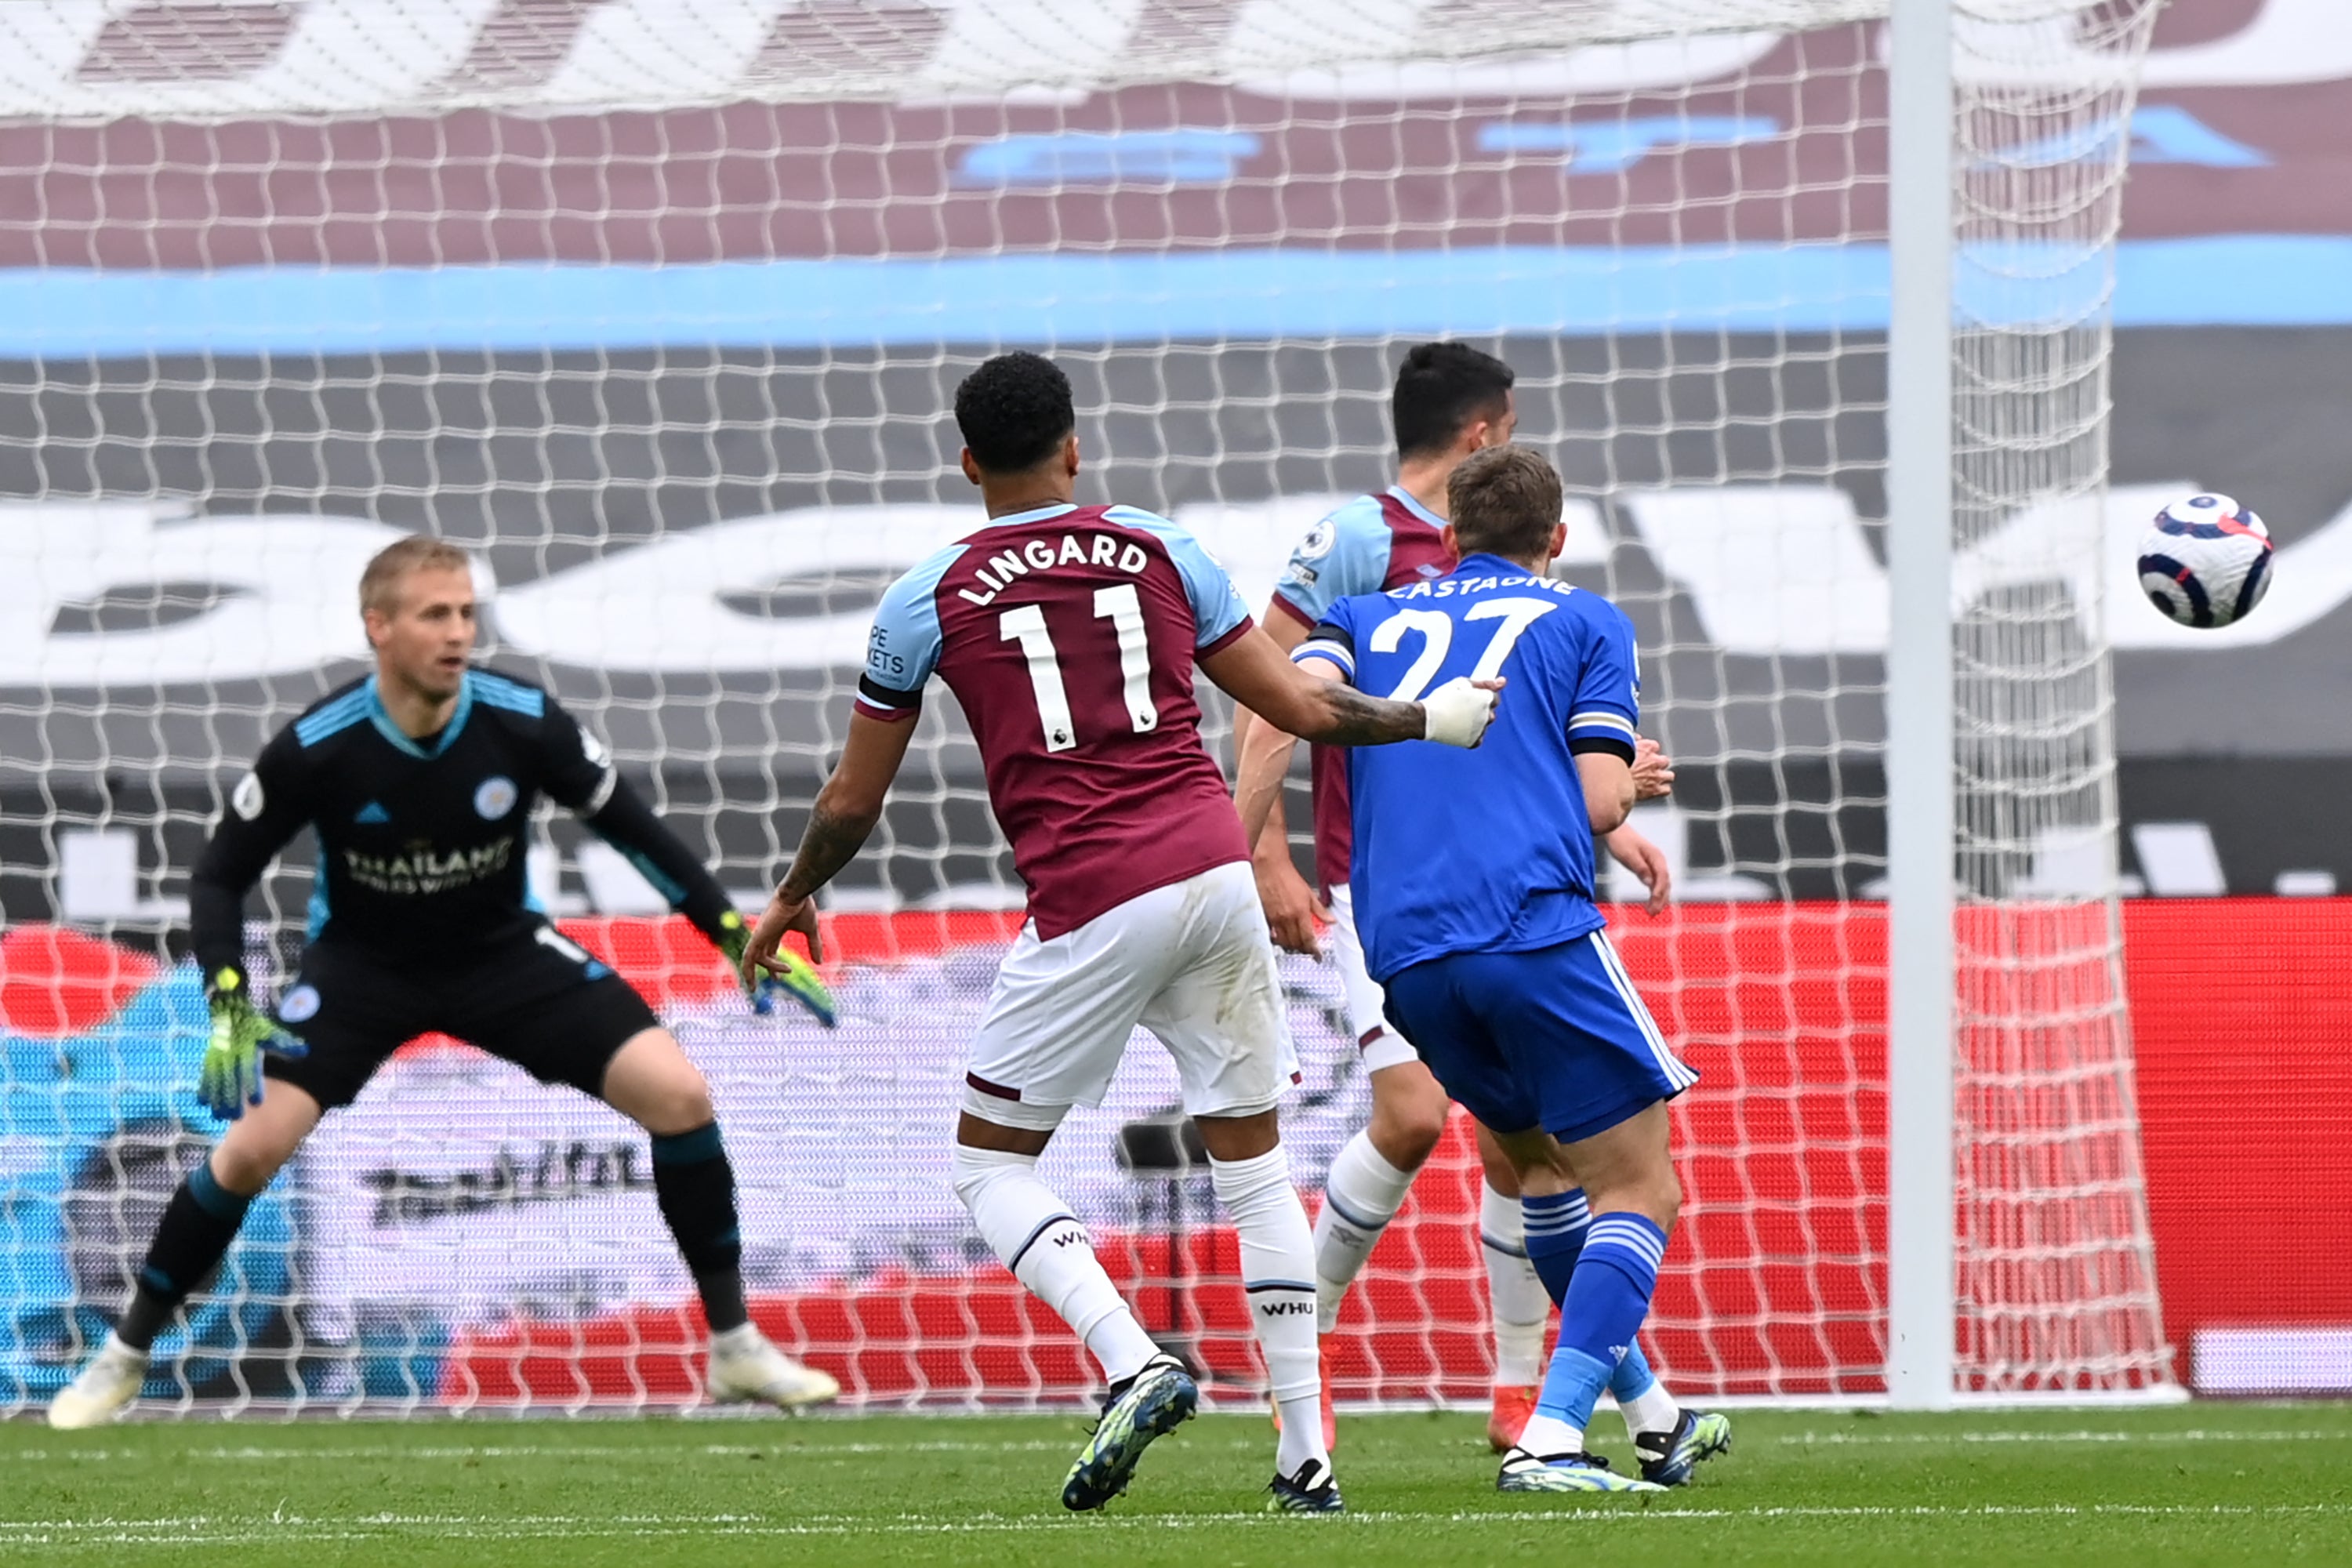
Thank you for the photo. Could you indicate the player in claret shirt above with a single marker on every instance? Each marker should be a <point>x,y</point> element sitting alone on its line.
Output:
<point>419,781</point>
<point>1069,634</point>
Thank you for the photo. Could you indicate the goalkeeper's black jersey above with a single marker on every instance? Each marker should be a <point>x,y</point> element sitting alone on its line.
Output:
<point>422,845</point>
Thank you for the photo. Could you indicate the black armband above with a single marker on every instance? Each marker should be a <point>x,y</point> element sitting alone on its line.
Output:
<point>1622,750</point>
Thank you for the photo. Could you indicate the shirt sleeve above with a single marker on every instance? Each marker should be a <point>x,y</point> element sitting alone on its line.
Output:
<point>1334,638</point>
<point>903,648</point>
<point>1345,555</point>
<point>1606,710</point>
<point>1218,613</point>
<point>267,807</point>
<point>628,823</point>
<point>580,775</point>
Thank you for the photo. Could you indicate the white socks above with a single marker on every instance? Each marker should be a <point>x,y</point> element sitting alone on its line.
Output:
<point>1522,1307</point>
<point>1278,1273</point>
<point>1652,1410</point>
<point>1360,1195</point>
<point>1035,1236</point>
<point>1548,1436</point>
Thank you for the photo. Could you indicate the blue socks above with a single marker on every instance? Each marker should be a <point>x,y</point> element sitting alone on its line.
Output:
<point>1556,1239</point>
<point>1610,1295</point>
<point>1555,1226</point>
<point>1607,1298</point>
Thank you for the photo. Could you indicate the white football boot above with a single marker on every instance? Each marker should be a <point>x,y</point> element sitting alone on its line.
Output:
<point>103,1390</point>
<point>744,1365</point>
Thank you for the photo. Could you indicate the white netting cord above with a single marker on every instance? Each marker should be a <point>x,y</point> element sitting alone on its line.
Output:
<point>619,490</point>
<point>96,59</point>
<point>2057,1285</point>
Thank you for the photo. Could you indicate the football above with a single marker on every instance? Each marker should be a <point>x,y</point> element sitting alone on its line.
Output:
<point>2206,561</point>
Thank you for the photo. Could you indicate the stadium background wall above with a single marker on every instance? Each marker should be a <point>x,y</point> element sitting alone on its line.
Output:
<point>1778,744</point>
<point>2239,1018</point>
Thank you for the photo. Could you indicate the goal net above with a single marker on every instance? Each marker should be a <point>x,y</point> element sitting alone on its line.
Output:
<point>658,306</point>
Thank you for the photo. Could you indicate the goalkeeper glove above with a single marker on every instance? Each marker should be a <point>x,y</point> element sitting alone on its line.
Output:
<point>230,1079</point>
<point>800,980</point>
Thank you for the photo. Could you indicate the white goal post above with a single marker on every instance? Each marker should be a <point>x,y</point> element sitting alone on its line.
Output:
<point>658,306</point>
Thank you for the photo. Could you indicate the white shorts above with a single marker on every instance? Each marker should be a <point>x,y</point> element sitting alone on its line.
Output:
<point>1192,962</point>
<point>1379,1044</point>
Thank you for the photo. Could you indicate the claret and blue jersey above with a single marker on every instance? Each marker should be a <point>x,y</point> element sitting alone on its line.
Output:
<point>1068,635</point>
<point>1488,850</point>
<point>1371,543</point>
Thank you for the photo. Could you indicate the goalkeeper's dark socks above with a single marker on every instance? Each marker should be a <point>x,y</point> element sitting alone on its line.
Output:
<point>197,1226</point>
<point>695,1186</point>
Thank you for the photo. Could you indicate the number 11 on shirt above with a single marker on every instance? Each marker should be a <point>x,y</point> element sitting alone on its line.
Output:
<point>1118,604</point>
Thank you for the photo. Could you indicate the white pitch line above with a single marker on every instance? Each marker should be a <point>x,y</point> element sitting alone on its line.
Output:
<point>381,1526</point>
<point>2191,1435</point>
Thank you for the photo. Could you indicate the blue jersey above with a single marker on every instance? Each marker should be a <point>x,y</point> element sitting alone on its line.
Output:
<point>1487,850</point>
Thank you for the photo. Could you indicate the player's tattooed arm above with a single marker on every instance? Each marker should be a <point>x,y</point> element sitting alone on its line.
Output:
<point>844,815</point>
<point>1339,715</point>
<point>1314,705</point>
<point>829,843</point>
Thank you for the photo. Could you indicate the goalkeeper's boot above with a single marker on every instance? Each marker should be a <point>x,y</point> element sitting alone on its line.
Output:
<point>1508,1417</point>
<point>744,1365</point>
<point>1314,1490</point>
<point>1330,1414</point>
<point>1151,1404</point>
<point>1669,1458</point>
<point>103,1390</point>
<point>1526,1472</point>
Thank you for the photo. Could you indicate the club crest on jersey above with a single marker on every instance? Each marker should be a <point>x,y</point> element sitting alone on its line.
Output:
<point>301,1005</point>
<point>495,797</point>
<point>246,799</point>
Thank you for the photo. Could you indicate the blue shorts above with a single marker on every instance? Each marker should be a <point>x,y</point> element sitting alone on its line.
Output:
<point>1556,1038</point>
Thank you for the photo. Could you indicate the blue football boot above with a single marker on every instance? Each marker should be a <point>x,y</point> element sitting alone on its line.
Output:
<point>1670,1458</point>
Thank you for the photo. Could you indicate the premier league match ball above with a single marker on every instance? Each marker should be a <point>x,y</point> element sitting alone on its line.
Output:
<point>2206,561</point>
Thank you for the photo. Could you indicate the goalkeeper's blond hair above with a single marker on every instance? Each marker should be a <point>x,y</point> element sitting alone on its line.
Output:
<point>380,583</point>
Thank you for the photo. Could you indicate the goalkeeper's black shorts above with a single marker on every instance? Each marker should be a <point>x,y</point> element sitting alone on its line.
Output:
<point>540,1001</point>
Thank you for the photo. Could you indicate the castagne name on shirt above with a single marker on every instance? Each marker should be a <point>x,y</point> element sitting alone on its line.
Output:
<point>1446,588</point>
<point>423,870</point>
<point>1043,555</point>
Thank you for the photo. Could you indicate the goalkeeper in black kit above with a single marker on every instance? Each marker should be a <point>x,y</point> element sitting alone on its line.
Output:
<point>419,781</point>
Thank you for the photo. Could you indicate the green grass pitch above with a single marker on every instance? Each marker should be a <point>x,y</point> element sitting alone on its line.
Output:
<point>2152,1489</point>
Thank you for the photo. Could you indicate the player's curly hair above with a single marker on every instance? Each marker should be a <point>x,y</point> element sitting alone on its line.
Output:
<point>1504,500</point>
<point>1013,411</point>
<point>1440,389</point>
